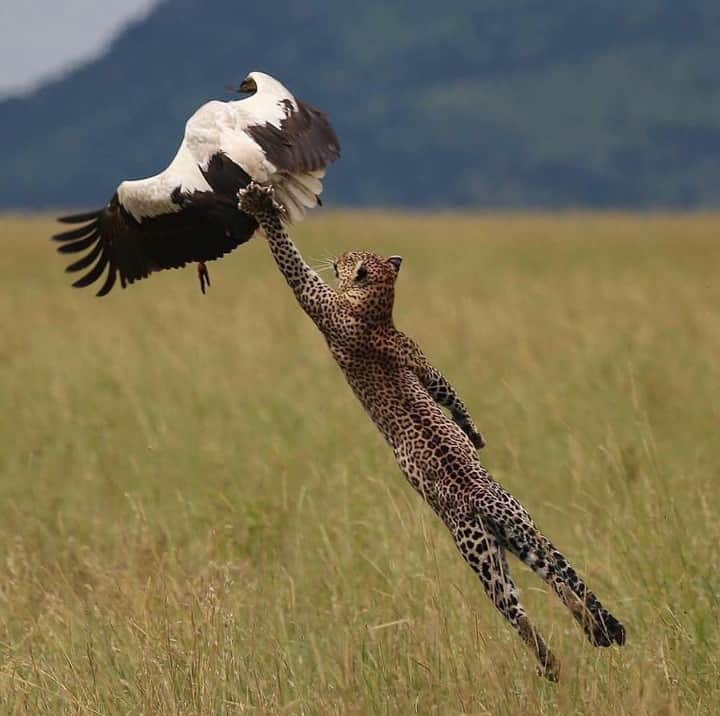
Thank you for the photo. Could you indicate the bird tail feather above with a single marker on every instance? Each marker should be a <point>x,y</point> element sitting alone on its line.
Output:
<point>298,193</point>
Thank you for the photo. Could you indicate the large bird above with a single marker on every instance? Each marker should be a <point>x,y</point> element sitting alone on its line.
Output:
<point>189,212</point>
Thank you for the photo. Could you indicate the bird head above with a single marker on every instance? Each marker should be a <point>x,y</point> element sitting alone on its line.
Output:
<point>263,83</point>
<point>248,85</point>
<point>367,282</point>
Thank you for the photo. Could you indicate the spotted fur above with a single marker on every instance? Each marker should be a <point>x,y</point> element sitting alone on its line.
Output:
<point>402,393</point>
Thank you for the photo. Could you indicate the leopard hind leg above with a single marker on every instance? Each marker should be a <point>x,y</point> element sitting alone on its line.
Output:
<point>486,556</point>
<point>533,548</point>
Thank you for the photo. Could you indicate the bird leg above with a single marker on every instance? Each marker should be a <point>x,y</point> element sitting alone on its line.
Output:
<point>203,275</point>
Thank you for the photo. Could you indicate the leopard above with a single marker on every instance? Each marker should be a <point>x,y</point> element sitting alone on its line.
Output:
<point>406,397</point>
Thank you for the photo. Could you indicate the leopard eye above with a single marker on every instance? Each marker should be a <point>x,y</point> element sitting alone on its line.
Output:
<point>361,274</point>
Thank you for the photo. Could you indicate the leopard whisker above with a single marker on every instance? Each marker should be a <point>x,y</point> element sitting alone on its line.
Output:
<point>324,264</point>
<point>320,265</point>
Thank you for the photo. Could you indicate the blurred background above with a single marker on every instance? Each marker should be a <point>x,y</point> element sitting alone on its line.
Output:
<point>472,103</point>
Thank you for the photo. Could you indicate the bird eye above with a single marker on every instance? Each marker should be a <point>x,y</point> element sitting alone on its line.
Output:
<point>361,274</point>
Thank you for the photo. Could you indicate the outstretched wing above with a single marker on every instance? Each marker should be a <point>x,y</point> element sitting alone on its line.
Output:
<point>205,226</point>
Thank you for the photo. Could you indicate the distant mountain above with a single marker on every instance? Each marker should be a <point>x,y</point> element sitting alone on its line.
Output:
<point>461,103</point>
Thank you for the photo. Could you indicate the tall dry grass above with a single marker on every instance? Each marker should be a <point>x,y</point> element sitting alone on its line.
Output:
<point>197,518</point>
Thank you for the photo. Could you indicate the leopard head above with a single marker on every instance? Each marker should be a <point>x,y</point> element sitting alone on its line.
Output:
<point>367,282</point>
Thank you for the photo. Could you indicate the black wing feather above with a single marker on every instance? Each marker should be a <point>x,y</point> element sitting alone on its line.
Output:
<point>77,246</point>
<point>304,142</point>
<point>72,234</point>
<point>79,218</point>
<point>94,274</point>
<point>86,260</point>
<point>109,281</point>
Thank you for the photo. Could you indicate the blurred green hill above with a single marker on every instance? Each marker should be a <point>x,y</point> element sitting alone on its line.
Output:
<point>462,103</point>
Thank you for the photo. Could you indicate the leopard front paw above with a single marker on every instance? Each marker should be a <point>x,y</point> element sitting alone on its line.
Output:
<point>256,199</point>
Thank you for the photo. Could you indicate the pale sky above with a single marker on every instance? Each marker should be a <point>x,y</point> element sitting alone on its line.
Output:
<point>41,38</point>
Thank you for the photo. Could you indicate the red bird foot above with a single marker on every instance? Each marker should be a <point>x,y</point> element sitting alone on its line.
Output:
<point>203,275</point>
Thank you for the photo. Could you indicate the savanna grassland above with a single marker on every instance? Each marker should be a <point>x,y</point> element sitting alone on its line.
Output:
<point>196,517</point>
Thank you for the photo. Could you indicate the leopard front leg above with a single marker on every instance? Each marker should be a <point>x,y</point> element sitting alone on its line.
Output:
<point>442,392</point>
<point>315,297</point>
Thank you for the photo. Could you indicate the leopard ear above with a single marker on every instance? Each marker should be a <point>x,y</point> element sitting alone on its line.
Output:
<point>396,261</point>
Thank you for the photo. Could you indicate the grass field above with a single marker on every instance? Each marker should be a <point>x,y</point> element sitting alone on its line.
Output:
<point>197,518</point>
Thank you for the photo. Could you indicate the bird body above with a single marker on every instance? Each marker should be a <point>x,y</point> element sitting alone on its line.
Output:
<point>188,212</point>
